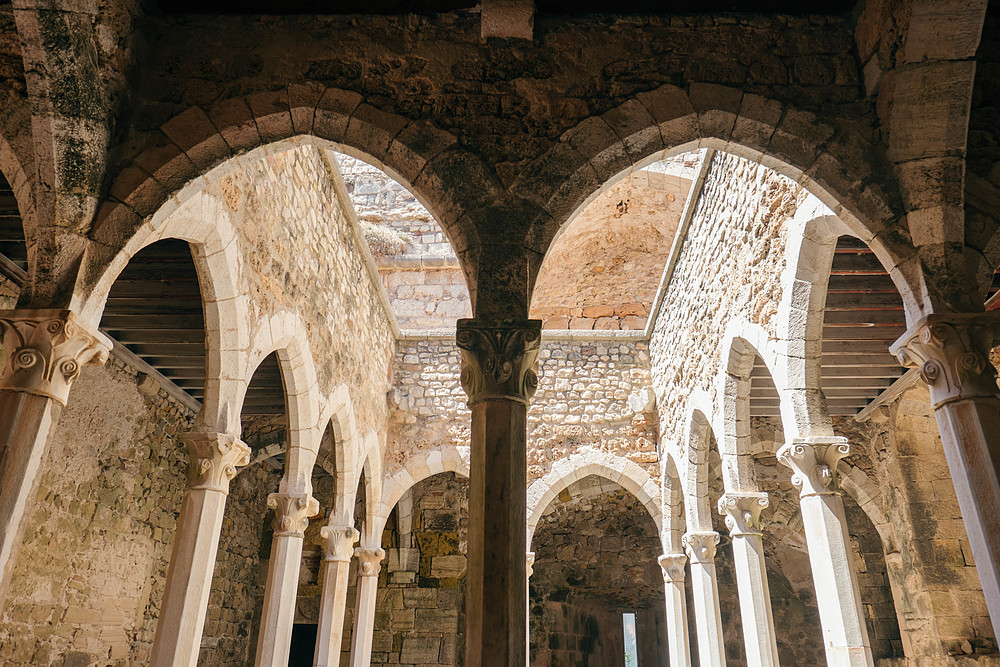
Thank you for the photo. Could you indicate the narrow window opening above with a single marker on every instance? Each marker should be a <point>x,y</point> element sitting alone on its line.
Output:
<point>631,646</point>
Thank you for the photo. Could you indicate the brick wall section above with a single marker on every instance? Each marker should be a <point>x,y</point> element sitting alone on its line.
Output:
<point>90,576</point>
<point>582,401</point>
<point>603,271</point>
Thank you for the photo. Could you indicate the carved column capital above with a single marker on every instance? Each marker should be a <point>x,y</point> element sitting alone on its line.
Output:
<point>700,547</point>
<point>369,561</point>
<point>673,567</point>
<point>530,563</point>
<point>46,349</point>
<point>742,511</point>
<point>339,542</point>
<point>952,352</point>
<point>499,359</point>
<point>814,464</point>
<point>292,512</point>
<point>213,459</point>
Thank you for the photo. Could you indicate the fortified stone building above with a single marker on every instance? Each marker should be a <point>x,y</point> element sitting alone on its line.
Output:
<point>547,333</point>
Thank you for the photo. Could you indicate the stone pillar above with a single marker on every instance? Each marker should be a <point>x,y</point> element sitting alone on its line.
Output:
<point>700,548</point>
<point>291,517</point>
<point>213,459</point>
<point>529,568</point>
<point>814,465</point>
<point>952,353</point>
<point>742,512</point>
<point>369,564</point>
<point>499,361</point>
<point>45,350</point>
<point>333,603</point>
<point>678,640</point>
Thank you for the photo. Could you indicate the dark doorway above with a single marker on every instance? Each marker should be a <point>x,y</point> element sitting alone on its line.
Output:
<point>303,645</point>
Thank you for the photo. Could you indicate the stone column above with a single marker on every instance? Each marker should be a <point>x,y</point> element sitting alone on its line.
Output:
<point>369,564</point>
<point>700,548</point>
<point>742,512</point>
<point>45,350</point>
<point>814,465</point>
<point>291,517</point>
<point>952,353</point>
<point>333,603</point>
<point>529,568</point>
<point>499,361</point>
<point>212,462</point>
<point>678,640</point>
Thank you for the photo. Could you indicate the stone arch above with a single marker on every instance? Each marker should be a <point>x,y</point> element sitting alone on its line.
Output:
<point>808,259</point>
<point>620,470</point>
<point>284,334</point>
<point>337,413</point>
<point>672,493</point>
<point>835,165</point>
<point>697,439</point>
<point>206,225</point>
<point>17,162</point>
<point>744,342</point>
<point>418,154</point>
<point>867,495</point>
<point>419,466</point>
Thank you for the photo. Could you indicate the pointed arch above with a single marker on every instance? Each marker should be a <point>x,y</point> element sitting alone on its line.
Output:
<point>419,466</point>
<point>625,472</point>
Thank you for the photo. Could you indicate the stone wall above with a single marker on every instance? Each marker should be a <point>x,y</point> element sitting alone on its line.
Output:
<point>740,223</point>
<point>420,618</point>
<point>89,579</point>
<point>419,269</point>
<point>283,204</point>
<point>582,401</point>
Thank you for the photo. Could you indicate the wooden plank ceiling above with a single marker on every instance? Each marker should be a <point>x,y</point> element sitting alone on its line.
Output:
<point>864,315</point>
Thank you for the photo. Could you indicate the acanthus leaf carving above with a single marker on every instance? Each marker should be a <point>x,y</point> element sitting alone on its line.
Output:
<point>46,349</point>
<point>292,512</point>
<point>529,563</point>
<point>814,464</point>
<point>214,459</point>
<point>952,352</point>
<point>499,359</point>
<point>743,512</point>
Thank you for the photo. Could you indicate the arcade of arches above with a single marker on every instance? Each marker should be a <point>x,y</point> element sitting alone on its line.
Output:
<point>499,333</point>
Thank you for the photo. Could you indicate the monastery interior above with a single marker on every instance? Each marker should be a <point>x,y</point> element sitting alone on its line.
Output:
<point>500,333</point>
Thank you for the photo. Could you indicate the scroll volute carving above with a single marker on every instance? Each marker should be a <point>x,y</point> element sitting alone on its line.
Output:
<point>743,512</point>
<point>292,512</point>
<point>214,459</point>
<point>952,352</point>
<point>499,359</point>
<point>46,349</point>
<point>369,561</point>
<point>814,464</point>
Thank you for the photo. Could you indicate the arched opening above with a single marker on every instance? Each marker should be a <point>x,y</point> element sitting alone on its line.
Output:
<point>596,549</point>
<point>13,250</point>
<point>236,601</point>
<point>155,311</point>
<point>421,614</point>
